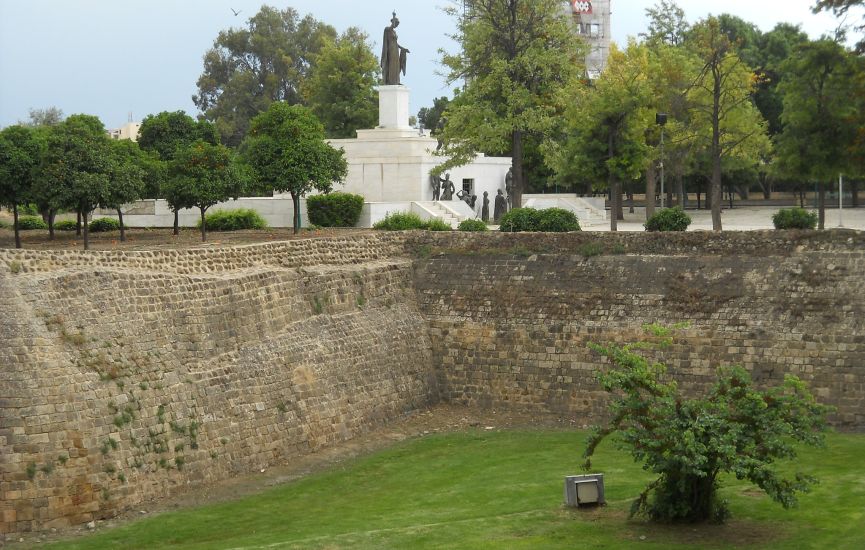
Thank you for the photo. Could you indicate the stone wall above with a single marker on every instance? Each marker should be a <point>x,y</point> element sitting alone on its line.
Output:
<point>510,316</point>
<point>125,376</point>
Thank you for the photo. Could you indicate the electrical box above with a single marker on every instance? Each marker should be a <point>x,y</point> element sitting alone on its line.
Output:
<point>586,490</point>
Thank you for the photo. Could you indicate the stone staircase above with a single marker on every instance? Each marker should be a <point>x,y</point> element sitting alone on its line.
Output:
<point>438,210</point>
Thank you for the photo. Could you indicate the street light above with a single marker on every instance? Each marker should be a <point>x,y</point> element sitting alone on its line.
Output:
<point>661,120</point>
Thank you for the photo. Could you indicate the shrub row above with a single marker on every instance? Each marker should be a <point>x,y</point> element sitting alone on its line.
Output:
<point>548,220</point>
<point>334,209</point>
<point>402,221</point>
<point>233,220</point>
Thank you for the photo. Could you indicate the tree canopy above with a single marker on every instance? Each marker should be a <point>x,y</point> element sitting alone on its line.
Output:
<point>249,68</point>
<point>286,150</point>
<point>20,155</point>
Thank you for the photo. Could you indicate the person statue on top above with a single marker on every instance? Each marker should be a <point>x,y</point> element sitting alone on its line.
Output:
<point>393,56</point>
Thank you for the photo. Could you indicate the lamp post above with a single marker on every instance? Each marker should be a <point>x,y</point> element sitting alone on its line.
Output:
<point>661,120</point>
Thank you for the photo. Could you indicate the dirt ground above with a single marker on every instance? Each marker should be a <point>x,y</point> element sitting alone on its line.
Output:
<point>150,239</point>
<point>438,419</point>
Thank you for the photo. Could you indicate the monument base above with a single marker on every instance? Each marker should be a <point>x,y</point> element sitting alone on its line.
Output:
<point>393,107</point>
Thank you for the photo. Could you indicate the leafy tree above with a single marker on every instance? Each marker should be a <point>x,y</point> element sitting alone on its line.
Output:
<point>127,177</point>
<point>249,68</point>
<point>667,24</point>
<point>733,428</point>
<point>202,175</point>
<point>517,57</point>
<point>76,168</point>
<point>841,7</point>
<point>51,116</point>
<point>775,48</point>
<point>287,152</point>
<point>341,89</point>
<point>817,88</point>
<point>432,117</point>
<point>607,122</point>
<point>20,153</point>
<point>720,103</point>
<point>163,134</point>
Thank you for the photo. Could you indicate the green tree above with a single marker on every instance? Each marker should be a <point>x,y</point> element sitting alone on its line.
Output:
<point>431,117</point>
<point>840,8</point>
<point>818,86</point>
<point>606,124</point>
<point>732,428</point>
<point>517,56</point>
<point>202,175</point>
<point>340,91</point>
<point>721,106</point>
<point>286,150</point>
<point>249,68</point>
<point>20,154</point>
<point>76,168</point>
<point>127,176</point>
<point>163,134</point>
<point>667,24</point>
<point>50,116</point>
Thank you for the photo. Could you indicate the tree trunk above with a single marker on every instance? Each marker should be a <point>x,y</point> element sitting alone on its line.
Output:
<point>715,193</point>
<point>78,223</point>
<point>854,194</point>
<point>15,222</point>
<point>295,201</point>
<point>699,193</point>
<point>177,221</point>
<point>614,189</point>
<point>203,226</point>
<point>86,231</point>
<point>801,197</point>
<point>651,182</point>
<point>122,228</point>
<point>517,165</point>
<point>821,205</point>
<point>51,215</point>
<point>631,203</point>
<point>716,149</point>
<point>681,199</point>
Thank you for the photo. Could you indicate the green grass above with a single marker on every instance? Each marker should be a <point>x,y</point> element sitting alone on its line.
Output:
<point>484,489</point>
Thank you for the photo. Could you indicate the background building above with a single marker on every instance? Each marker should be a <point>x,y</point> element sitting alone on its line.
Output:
<point>592,21</point>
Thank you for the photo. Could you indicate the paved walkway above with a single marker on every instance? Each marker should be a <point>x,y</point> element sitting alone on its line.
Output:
<point>737,219</point>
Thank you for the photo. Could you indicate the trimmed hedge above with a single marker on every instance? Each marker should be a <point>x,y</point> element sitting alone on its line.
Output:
<point>669,219</point>
<point>65,225</point>
<point>473,225</point>
<point>794,218</point>
<point>233,220</point>
<point>29,223</point>
<point>519,220</point>
<point>103,225</point>
<point>334,209</point>
<point>557,220</point>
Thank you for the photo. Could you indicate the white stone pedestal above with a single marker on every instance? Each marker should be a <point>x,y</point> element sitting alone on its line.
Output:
<point>393,107</point>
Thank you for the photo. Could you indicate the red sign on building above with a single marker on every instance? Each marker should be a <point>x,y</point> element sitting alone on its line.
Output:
<point>582,6</point>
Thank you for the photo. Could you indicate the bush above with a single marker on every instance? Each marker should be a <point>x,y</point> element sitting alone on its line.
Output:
<point>4,224</point>
<point>28,210</point>
<point>520,219</point>
<point>233,220</point>
<point>472,225</point>
<point>669,219</point>
<point>794,218</point>
<point>334,209</point>
<point>732,428</point>
<point>103,225</point>
<point>65,225</point>
<point>557,220</point>
<point>400,221</point>
<point>28,223</point>
<point>437,225</point>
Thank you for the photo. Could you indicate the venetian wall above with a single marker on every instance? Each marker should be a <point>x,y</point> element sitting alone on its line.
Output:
<point>125,376</point>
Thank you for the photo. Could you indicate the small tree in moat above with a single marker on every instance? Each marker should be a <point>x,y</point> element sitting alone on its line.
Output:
<point>286,150</point>
<point>734,428</point>
<point>202,175</point>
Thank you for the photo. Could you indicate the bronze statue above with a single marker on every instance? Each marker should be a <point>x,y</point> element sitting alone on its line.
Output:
<point>509,186</point>
<point>436,184</point>
<point>393,56</point>
<point>485,209</point>
<point>501,207</point>
<point>448,188</point>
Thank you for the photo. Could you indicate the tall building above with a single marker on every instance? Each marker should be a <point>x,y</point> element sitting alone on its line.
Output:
<point>592,22</point>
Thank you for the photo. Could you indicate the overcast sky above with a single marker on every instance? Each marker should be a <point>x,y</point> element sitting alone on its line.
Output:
<point>113,57</point>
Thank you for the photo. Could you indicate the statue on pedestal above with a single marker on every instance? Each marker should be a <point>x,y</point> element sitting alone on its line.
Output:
<point>436,184</point>
<point>448,189</point>
<point>393,56</point>
<point>509,186</point>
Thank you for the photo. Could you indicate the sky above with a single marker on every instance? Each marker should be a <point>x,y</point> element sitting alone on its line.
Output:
<point>111,58</point>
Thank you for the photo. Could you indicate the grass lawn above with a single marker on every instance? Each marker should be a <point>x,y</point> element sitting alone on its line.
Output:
<point>502,489</point>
